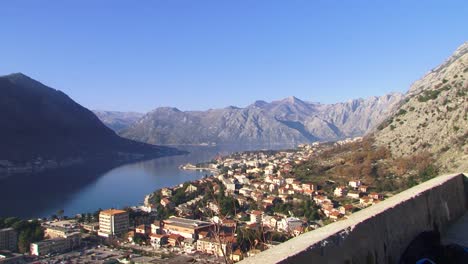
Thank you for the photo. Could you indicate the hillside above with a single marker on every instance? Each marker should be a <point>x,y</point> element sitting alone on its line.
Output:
<point>116,120</point>
<point>287,121</point>
<point>433,117</point>
<point>40,123</point>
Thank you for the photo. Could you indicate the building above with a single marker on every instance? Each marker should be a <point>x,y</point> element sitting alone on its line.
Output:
<point>340,191</point>
<point>7,257</point>
<point>187,228</point>
<point>91,227</point>
<point>355,183</point>
<point>354,195</point>
<point>113,222</point>
<point>219,247</point>
<point>256,217</point>
<point>156,227</point>
<point>143,229</point>
<point>8,239</point>
<point>56,232</point>
<point>158,240</point>
<point>166,202</point>
<point>237,255</point>
<point>175,240</point>
<point>289,224</point>
<point>55,245</point>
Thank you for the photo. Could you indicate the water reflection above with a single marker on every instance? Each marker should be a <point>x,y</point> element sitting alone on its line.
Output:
<point>81,190</point>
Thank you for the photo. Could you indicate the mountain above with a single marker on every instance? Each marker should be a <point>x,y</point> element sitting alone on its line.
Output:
<point>433,117</point>
<point>287,121</point>
<point>117,120</point>
<point>41,124</point>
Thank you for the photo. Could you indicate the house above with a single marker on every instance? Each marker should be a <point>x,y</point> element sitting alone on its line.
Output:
<point>158,240</point>
<point>345,209</point>
<point>187,228</point>
<point>191,188</point>
<point>130,236</point>
<point>289,224</point>
<point>376,196</point>
<point>166,192</point>
<point>309,193</point>
<point>214,207</point>
<point>218,247</point>
<point>363,188</point>
<point>366,201</point>
<point>166,202</point>
<point>256,217</point>
<point>278,181</point>
<point>298,230</point>
<point>175,240</point>
<point>282,190</point>
<point>245,191</point>
<point>319,199</point>
<point>229,223</point>
<point>354,183</point>
<point>289,180</point>
<point>237,255</point>
<point>271,187</point>
<point>296,185</point>
<point>308,186</point>
<point>340,191</point>
<point>143,229</point>
<point>156,227</point>
<point>269,199</point>
<point>334,215</point>
<point>354,195</point>
<point>256,196</point>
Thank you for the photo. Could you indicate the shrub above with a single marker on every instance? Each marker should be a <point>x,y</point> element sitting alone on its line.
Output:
<point>401,112</point>
<point>428,95</point>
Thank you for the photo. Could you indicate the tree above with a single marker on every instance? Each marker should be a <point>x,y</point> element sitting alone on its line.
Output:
<point>60,213</point>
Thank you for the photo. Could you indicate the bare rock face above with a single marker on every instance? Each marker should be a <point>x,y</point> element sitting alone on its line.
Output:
<point>434,115</point>
<point>287,121</point>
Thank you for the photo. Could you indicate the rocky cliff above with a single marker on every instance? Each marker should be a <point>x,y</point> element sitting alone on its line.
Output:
<point>433,117</point>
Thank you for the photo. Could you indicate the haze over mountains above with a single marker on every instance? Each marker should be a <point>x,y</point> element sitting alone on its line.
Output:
<point>43,124</point>
<point>287,121</point>
<point>117,120</point>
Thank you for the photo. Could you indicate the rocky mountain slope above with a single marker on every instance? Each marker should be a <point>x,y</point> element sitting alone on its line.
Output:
<point>116,120</point>
<point>42,125</point>
<point>287,121</point>
<point>434,115</point>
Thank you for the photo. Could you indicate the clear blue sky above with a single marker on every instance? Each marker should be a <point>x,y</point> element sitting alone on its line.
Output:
<point>195,54</point>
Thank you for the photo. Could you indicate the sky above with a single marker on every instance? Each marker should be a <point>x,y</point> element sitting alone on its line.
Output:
<point>197,55</point>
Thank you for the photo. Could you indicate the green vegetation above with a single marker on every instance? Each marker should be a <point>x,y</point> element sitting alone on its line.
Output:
<point>428,95</point>
<point>373,165</point>
<point>402,112</point>
<point>28,231</point>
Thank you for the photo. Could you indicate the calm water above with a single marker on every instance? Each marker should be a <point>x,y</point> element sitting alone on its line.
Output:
<point>87,189</point>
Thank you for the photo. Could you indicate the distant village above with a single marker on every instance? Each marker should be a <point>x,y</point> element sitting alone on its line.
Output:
<point>251,201</point>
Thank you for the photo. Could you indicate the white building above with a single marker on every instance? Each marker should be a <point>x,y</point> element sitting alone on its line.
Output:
<point>289,224</point>
<point>113,222</point>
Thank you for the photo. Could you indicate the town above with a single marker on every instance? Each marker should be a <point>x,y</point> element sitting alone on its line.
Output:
<point>251,202</point>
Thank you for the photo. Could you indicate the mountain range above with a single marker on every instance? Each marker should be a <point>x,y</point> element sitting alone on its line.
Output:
<point>43,124</point>
<point>117,120</point>
<point>287,121</point>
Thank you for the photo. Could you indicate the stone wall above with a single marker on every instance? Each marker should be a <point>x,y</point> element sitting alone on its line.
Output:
<point>380,233</point>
